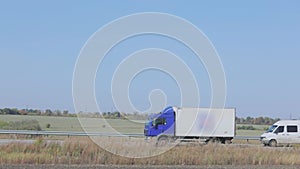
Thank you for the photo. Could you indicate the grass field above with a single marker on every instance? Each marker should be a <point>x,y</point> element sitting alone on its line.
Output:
<point>101,125</point>
<point>259,130</point>
<point>83,151</point>
<point>73,124</point>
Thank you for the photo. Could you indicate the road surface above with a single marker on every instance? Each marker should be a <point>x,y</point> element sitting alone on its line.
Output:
<point>28,166</point>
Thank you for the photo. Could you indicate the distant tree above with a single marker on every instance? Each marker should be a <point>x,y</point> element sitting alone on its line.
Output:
<point>237,120</point>
<point>13,111</point>
<point>23,112</point>
<point>249,120</point>
<point>65,112</point>
<point>57,113</point>
<point>246,128</point>
<point>258,120</point>
<point>48,112</point>
<point>243,121</point>
<point>38,112</point>
<point>276,119</point>
<point>116,114</point>
<point>97,114</point>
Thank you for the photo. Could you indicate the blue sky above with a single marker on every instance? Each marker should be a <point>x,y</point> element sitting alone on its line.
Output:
<point>257,41</point>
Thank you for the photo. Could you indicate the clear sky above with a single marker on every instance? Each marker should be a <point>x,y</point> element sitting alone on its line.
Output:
<point>258,43</point>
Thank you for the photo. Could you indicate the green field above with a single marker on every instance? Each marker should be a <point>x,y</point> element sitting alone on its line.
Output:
<point>260,129</point>
<point>73,123</point>
<point>101,125</point>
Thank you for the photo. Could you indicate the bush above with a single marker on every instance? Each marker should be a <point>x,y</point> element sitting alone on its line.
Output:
<point>23,125</point>
<point>3,124</point>
<point>246,128</point>
<point>48,125</point>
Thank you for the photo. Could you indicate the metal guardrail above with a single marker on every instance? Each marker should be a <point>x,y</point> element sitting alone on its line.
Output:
<point>247,138</point>
<point>64,133</point>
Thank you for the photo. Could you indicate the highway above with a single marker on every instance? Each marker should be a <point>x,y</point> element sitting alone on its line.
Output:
<point>59,166</point>
<point>26,141</point>
<point>65,133</point>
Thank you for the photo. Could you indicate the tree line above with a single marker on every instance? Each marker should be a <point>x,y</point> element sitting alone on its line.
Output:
<point>65,113</point>
<point>256,120</point>
<point>115,115</point>
<point>47,112</point>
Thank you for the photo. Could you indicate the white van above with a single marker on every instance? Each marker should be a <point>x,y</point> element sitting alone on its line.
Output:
<point>282,132</point>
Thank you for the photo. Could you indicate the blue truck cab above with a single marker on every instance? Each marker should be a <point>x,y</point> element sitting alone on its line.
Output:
<point>160,123</point>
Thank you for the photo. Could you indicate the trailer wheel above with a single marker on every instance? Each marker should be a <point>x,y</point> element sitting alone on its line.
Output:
<point>227,141</point>
<point>273,143</point>
<point>162,141</point>
<point>212,141</point>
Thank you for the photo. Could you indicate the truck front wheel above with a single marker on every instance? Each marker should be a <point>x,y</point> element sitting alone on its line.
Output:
<point>162,141</point>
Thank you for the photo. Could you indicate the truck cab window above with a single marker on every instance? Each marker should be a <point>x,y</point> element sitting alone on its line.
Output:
<point>159,121</point>
<point>279,129</point>
<point>292,129</point>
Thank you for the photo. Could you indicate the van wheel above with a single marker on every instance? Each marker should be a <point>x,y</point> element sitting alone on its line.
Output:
<point>273,143</point>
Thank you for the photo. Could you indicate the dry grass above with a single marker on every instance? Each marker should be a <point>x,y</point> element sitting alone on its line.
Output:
<point>84,151</point>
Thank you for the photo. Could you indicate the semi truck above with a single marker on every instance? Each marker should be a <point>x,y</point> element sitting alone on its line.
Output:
<point>192,124</point>
<point>282,132</point>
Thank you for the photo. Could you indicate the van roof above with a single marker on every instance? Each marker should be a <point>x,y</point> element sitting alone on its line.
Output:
<point>285,122</point>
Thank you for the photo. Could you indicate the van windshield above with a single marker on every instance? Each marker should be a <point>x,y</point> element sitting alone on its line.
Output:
<point>271,129</point>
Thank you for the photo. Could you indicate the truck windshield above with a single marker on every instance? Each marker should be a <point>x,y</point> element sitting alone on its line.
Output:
<point>148,122</point>
<point>151,119</point>
<point>271,129</point>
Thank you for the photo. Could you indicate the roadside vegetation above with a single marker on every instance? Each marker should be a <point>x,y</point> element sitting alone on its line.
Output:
<point>246,128</point>
<point>20,125</point>
<point>84,151</point>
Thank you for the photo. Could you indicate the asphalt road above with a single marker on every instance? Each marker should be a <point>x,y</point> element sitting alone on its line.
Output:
<point>9,141</point>
<point>27,166</point>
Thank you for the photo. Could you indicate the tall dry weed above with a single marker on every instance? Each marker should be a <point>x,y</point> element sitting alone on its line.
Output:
<point>84,151</point>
